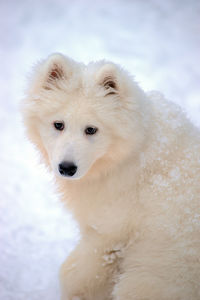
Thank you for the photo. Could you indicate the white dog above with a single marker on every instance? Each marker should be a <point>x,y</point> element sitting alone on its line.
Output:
<point>128,167</point>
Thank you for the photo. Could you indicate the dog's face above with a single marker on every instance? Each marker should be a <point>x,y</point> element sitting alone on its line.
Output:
<point>80,117</point>
<point>74,139</point>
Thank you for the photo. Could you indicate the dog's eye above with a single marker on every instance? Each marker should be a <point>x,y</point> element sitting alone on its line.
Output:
<point>59,125</point>
<point>91,130</point>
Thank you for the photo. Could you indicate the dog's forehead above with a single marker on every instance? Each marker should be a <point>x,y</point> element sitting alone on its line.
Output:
<point>76,103</point>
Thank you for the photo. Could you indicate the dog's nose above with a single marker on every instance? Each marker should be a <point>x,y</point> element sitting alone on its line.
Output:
<point>67,168</point>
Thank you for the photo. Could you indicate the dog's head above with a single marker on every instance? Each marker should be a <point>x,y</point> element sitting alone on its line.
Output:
<point>83,119</point>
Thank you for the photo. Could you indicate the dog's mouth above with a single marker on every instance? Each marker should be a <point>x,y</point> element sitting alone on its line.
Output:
<point>71,170</point>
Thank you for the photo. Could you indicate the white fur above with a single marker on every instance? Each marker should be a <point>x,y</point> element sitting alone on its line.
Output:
<point>136,193</point>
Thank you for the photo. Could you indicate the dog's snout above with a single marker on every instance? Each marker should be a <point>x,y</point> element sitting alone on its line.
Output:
<point>67,168</point>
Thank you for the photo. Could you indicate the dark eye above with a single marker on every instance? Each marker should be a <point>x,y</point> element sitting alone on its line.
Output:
<point>91,130</point>
<point>59,125</point>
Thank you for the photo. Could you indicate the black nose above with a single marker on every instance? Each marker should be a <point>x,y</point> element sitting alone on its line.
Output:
<point>67,168</point>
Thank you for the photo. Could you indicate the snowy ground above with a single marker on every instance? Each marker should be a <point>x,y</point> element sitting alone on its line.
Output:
<point>158,41</point>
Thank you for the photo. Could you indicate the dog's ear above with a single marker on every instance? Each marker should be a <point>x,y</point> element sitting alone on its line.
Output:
<point>56,69</point>
<point>56,72</point>
<point>107,78</point>
<point>51,73</point>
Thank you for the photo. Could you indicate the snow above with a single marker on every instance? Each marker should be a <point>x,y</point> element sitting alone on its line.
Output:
<point>157,41</point>
<point>175,173</point>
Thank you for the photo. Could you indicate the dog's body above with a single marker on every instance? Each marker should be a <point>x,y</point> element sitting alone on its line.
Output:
<point>132,181</point>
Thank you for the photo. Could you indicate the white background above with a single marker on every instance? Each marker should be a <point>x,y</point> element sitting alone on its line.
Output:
<point>156,40</point>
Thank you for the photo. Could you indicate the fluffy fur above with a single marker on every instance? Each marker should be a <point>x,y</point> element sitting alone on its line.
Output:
<point>136,193</point>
